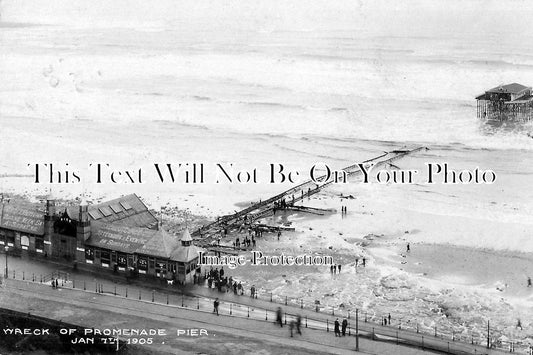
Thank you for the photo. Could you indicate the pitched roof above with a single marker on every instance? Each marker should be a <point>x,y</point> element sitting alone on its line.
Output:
<point>513,88</point>
<point>161,244</point>
<point>22,217</point>
<point>130,240</point>
<point>119,238</point>
<point>127,210</point>
<point>185,254</point>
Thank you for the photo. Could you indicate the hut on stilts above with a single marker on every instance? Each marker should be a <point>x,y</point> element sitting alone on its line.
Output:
<point>506,102</point>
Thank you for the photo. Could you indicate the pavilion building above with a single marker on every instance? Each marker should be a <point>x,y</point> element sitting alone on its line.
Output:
<point>120,235</point>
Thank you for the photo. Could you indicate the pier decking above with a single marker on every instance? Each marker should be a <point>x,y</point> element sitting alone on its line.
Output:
<point>206,235</point>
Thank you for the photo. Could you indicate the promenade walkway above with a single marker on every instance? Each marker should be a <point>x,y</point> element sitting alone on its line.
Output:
<point>223,334</point>
<point>242,308</point>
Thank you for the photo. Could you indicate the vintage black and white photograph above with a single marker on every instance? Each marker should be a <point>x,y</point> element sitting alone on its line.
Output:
<point>266,177</point>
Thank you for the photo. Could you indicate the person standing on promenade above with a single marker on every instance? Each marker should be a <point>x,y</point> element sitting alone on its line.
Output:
<point>291,327</point>
<point>279,319</point>
<point>299,324</point>
<point>215,306</point>
<point>344,326</point>
<point>337,328</point>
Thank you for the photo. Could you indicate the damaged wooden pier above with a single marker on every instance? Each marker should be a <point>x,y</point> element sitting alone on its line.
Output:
<point>207,234</point>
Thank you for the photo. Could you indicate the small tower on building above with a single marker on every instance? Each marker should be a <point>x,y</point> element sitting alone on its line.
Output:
<point>186,255</point>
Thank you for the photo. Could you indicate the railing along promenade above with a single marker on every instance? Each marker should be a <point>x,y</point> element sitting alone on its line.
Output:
<point>262,307</point>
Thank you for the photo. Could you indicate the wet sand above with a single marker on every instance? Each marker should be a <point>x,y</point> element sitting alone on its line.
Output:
<point>504,271</point>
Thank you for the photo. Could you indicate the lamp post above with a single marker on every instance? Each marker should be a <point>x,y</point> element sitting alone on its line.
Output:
<point>6,248</point>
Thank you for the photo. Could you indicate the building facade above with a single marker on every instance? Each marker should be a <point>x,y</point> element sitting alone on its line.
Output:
<point>121,235</point>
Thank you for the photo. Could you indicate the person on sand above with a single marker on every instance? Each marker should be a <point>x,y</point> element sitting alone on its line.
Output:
<point>389,319</point>
<point>408,248</point>
<point>279,234</point>
<point>337,328</point>
<point>529,282</point>
<point>364,262</point>
<point>339,266</point>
